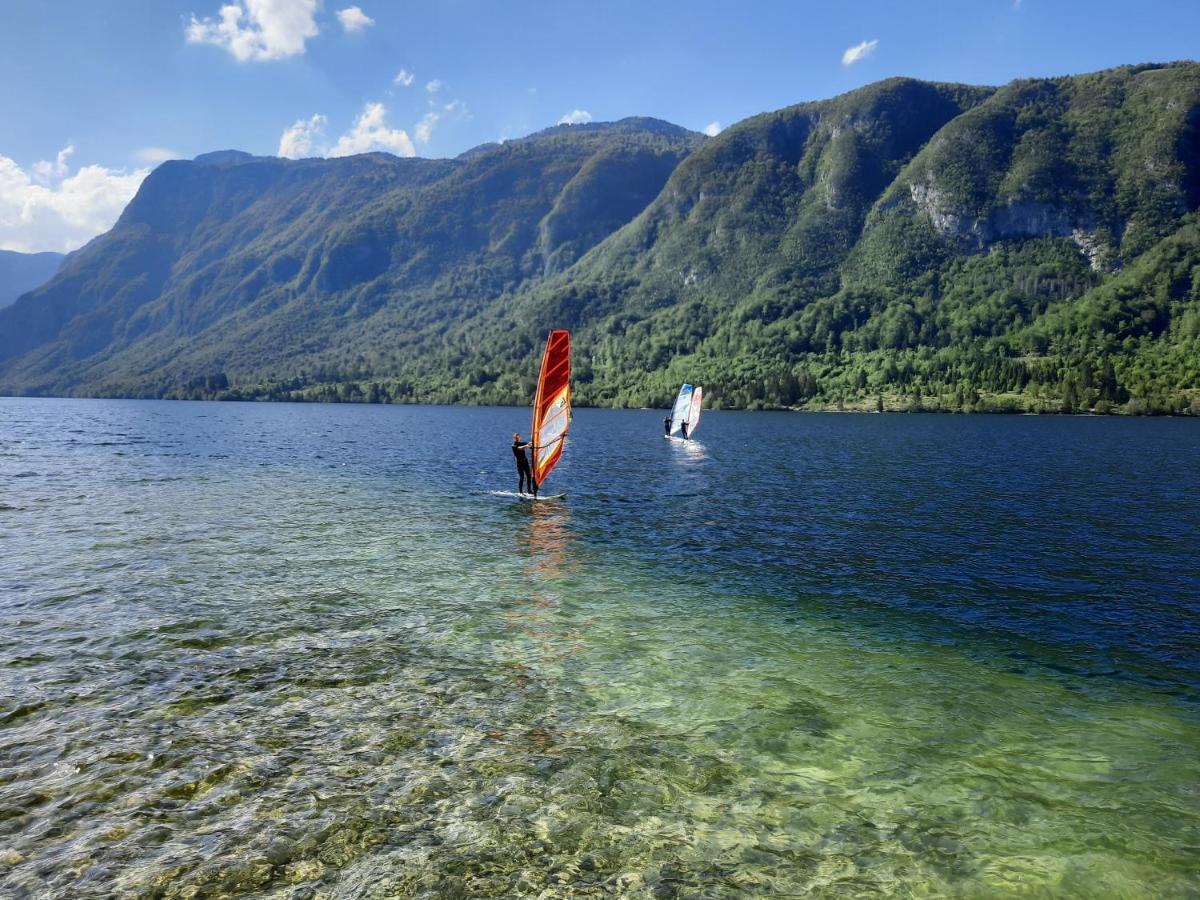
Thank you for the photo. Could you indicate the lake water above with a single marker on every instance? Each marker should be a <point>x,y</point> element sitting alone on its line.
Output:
<point>301,651</point>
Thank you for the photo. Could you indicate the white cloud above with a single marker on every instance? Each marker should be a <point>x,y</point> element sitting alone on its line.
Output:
<point>258,29</point>
<point>424,129</point>
<point>152,155</point>
<point>45,171</point>
<point>354,19</point>
<point>66,211</point>
<point>371,133</point>
<point>304,138</point>
<point>404,78</point>
<point>576,117</point>
<point>858,51</point>
<point>434,86</point>
<point>712,129</point>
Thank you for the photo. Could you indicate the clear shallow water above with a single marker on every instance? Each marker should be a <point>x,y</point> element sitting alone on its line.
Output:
<point>300,651</point>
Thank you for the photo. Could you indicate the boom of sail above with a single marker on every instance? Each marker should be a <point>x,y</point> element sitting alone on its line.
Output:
<point>552,405</point>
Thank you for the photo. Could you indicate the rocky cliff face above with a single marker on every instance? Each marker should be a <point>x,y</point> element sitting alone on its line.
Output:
<point>1016,219</point>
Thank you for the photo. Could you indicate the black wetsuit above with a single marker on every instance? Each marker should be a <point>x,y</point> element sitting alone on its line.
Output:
<point>524,474</point>
<point>667,425</point>
<point>683,428</point>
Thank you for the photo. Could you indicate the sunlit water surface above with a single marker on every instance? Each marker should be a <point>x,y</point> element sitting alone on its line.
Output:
<point>301,651</point>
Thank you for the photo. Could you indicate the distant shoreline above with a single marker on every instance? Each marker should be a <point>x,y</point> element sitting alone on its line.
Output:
<point>857,408</point>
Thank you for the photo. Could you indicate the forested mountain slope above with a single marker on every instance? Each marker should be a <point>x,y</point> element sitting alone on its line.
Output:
<point>231,268</point>
<point>915,245</point>
<point>911,245</point>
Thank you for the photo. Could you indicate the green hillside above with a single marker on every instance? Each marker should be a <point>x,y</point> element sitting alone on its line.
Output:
<point>915,245</point>
<point>237,269</point>
<point>907,245</point>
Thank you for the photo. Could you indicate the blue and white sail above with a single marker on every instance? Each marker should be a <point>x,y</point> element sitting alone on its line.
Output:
<point>686,410</point>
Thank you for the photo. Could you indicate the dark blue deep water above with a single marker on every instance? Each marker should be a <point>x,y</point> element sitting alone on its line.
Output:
<point>302,651</point>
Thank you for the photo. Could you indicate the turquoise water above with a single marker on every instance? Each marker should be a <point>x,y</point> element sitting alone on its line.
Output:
<point>301,651</point>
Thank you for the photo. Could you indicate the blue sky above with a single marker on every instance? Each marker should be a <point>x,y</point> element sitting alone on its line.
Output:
<point>123,85</point>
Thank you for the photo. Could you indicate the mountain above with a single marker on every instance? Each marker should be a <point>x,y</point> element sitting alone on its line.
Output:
<point>231,266</point>
<point>910,245</point>
<point>907,245</point>
<point>22,272</point>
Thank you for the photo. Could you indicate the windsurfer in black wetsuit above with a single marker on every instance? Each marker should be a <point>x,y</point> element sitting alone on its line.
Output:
<point>683,428</point>
<point>524,474</point>
<point>667,426</point>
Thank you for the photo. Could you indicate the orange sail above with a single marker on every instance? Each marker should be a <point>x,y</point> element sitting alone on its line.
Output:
<point>552,406</point>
